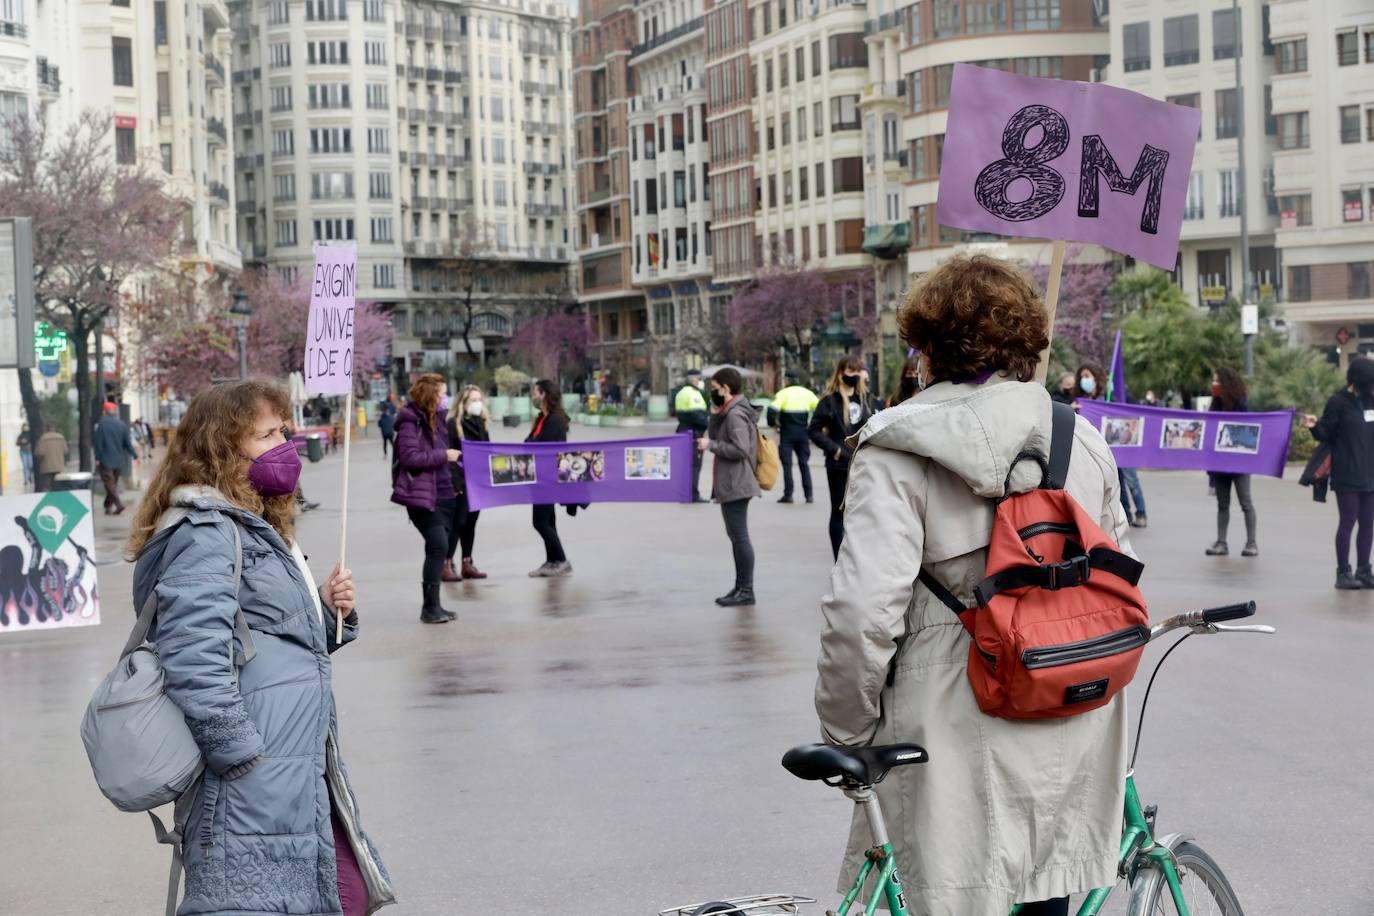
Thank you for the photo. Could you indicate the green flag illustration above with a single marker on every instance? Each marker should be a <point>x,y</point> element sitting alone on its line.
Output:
<point>55,518</point>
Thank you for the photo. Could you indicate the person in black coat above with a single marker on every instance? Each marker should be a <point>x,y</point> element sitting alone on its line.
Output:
<point>845,407</point>
<point>551,425</point>
<point>1347,426</point>
<point>468,422</point>
<point>1230,394</point>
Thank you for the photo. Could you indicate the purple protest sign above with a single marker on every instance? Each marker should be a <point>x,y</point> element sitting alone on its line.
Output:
<point>656,469</point>
<point>1059,159</point>
<point>329,330</point>
<point>1159,437</point>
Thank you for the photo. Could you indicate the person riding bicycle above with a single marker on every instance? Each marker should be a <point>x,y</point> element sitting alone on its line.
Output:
<point>1005,811</point>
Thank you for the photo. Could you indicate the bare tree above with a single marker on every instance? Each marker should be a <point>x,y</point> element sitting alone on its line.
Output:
<point>475,257</point>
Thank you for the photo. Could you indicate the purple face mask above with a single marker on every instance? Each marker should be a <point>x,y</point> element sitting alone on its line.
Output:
<point>443,403</point>
<point>276,471</point>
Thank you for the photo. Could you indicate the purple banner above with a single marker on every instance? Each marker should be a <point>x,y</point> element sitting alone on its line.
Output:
<point>657,469</point>
<point>1158,437</point>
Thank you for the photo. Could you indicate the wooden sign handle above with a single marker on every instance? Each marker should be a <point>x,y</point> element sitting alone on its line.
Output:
<point>343,507</point>
<point>1051,306</point>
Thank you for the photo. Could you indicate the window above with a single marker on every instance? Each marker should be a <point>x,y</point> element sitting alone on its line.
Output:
<point>1300,283</point>
<point>1295,210</point>
<point>1291,55</point>
<point>1225,34</point>
<point>1369,123</point>
<point>281,98</point>
<point>374,54</point>
<point>1034,15</point>
<point>498,150</point>
<point>1350,123</point>
<point>1180,40</point>
<point>1043,67</point>
<point>801,122</point>
<point>1227,114</point>
<point>786,129</point>
<point>284,188</point>
<point>944,81</point>
<point>679,189</point>
<point>166,150</point>
<point>772,190</point>
<point>384,277</point>
<point>815,58</point>
<point>803,184</point>
<point>787,186</point>
<point>1226,193</point>
<point>325,10</point>
<point>376,95</point>
<point>283,143</point>
<point>331,186</point>
<point>1194,209</point>
<point>333,230</point>
<point>498,193</point>
<point>123,53</point>
<point>1190,100</point>
<point>782,72</point>
<point>1347,48</point>
<point>381,228</point>
<point>329,95</point>
<point>1358,277</point>
<point>126,153</point>
<point>331,140</point>
<point>1352,205</point>
<point>820,181</point>
<point>377,140</point>
<point>818,118</point>
<point>280,13</point>
<point>1368,46</point>
<point>1136,51</point>
<point>848,50</point>
<point>844,112</point>
<point>326,52</point>
<point>800,68</point>
<point>1293,132</point>
<point>986,15</point>
<point>286,232</point>
<point>768,75</point>
<point>849,236</point>
<point>279,55</point>
<point>849,174</point>
<point>768,134</point>
<point>947,19</point>
<point>374,11</point>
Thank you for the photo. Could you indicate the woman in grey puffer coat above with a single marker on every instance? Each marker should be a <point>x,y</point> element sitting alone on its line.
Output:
<point>275,827</point>
<point>732,436</point>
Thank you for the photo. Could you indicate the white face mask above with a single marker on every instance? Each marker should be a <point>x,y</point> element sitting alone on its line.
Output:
<point>474,408</point>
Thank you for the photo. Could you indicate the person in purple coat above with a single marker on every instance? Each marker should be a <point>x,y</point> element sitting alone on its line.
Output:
<point>422,482</point>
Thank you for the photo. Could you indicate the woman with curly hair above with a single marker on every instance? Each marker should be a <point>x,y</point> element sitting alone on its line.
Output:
<point>1037,804</point>
<point>275,826</point>
<point>1229,394</point>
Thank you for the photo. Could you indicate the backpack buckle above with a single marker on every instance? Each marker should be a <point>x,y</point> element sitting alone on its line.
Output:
<point>1068,574</point>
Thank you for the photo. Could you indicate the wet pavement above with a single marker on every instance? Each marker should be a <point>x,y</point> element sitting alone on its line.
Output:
<point>609,743</point>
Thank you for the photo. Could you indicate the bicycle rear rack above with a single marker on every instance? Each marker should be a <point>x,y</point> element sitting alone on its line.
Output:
<point>756,905</point>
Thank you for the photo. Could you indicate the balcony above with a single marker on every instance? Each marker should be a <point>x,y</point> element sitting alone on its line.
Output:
<point>453,76</point>
<point>887,240</point>
<point>248,161</point>
<point>876,91</point>
<point>215,128</point>
<point>246,207</point>
<point>13,29</point>
<point>671,35</point>
<point>48,78</point>
<point>414,30</point>
<point>897,156</point>
<point>224,257</point>
<point>599,193</point>
<point>247,76</point>
<point>434,74</point>
<point>533,87</point>
<point>214,67</point>
<point>533,209</point>
<point>218,192</point>
<point>882,24</point>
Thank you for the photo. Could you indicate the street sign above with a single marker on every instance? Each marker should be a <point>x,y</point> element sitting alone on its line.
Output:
<point>1249,319</point>
<point>1213,294</point>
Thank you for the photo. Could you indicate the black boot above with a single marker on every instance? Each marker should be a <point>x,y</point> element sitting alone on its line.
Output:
<point>432,611</point>
<point>1366,576</point>
<point>1345,581</point>
<point>726,598</point>
<point>737,598</point>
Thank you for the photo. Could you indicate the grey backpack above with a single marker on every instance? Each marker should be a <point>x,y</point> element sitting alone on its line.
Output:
<point>137,739</point>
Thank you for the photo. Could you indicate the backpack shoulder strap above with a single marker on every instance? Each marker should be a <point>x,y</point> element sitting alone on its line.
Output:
<point>1061,446</point>
<point>944,595</point>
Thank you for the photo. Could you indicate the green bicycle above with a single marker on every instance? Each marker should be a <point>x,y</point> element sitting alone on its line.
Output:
<point>1165,875</point>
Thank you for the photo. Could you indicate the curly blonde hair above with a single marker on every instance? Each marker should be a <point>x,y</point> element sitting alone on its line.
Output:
<point>206,451</point>
<point>975,314</point>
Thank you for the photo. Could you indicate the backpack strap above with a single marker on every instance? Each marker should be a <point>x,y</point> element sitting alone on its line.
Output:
<point>1061,447</point>
<point>1054,576</point>
<point>943,595</point>
<point>181,813</point>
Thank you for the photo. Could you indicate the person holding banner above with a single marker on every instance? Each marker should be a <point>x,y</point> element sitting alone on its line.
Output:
<point>844,408</point>
<point>733,438</point>
<point>1347,425</point>
<point>1229,394</point>
<point>693,416</point>
<point>274,826</point>
<point>467,423</point>
<point>550,426</point>
<point>1093,386</point>
<point>421,481</point>
<point>1036,805</point>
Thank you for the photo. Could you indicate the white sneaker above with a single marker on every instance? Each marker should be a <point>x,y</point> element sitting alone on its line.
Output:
<point>542,572</point>
<point>561,570</point>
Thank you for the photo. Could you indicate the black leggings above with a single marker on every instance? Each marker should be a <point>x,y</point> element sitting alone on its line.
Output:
<point>838,479</point>
<point>1059,906</point>
<point>1355,507</point>
<point>736,515</point>
<point>462,529</point>
<point>546,523</point>
<point>1247,505</point>
<point>433,526</point>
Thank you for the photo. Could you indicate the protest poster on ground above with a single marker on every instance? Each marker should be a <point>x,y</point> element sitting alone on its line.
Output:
<point>1169,439</point>
<point>653,469</point>
<point>47,562</point>
<point>329,329</point>
<point>1059,159</point>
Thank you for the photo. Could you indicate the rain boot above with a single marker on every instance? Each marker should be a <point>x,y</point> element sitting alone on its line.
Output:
<point>1366,576</point>
<point>1345,581</point>
<point>432,611</point>
<point>450,574</point>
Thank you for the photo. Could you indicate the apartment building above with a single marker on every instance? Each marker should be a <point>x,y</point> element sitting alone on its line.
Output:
<point>670,195</point>
<point>428,134</point>
<point>730,136</point>
<point>607,32</point>
<point>1323,103</point>
<point>1174,50</point>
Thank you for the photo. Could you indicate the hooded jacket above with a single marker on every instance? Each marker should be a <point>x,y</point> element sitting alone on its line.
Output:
<point>1347,425</point>
<point>420,474</point>
<point>262,842</point>
<point>734,435</point>
<point>1005,811</point>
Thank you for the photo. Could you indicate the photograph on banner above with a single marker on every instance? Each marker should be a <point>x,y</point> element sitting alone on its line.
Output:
<point>581,467</point>
<point>648,464</point>
<point>1183,434</point>
<point>1241,438</point>
<point>47,562</point>
<point>511,470</point>
<point>1127,432</point>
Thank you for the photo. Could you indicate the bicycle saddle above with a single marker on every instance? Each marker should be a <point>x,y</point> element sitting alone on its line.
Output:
<point>863,765</point>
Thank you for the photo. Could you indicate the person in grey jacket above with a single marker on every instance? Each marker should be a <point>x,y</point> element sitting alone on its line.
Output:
<point>733,438</point>
<point>112,446</point>
<point>275,826</point>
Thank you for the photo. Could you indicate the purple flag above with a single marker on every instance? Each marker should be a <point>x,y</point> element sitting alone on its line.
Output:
<point>1116,392</point>
<point>655,469</point>
<point>1160,437</point>
<point>1059,159</point>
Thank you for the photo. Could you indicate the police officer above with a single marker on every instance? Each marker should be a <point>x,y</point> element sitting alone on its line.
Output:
<point>789,414</point>
<point>692,415</point>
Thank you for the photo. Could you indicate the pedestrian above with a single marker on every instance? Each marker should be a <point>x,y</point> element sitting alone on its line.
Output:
<point>1347,426</point>
<point>692,416</point>
<point>386,424</point>
<point>878,402</point>
<point>1229,394</point>
<point>25,445</point>
<point>421,481</point>
<point>789,414</point>
<point>843,410</point>
<point>51,457</point>
<point>467,423</point>
<point>1064,392</point>
<point>551,425</point>
<point>112,443</point>
<point>733,438</point>
<point>275,825</point>
<point>1092,385</point>
<point>1038,803</point>
<point>909,383</point>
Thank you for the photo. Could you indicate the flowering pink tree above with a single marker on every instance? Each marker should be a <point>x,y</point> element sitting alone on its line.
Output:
<point>780,310</point>
<point>1084,300</point>
<point>549,342</point>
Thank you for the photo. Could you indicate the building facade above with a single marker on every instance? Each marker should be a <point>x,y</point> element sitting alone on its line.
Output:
<point>1323,103</point>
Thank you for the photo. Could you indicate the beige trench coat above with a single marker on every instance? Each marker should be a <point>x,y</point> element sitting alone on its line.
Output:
<point>1004,812</point>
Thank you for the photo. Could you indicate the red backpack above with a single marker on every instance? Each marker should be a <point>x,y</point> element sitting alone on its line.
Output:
<point>1060,623</point>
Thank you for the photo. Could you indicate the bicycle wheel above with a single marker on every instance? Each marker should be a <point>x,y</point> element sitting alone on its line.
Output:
<point>1205,889</point>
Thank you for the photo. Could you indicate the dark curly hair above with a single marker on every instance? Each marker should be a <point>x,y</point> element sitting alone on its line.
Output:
<point>972,315</point>
<point>1233,390</point>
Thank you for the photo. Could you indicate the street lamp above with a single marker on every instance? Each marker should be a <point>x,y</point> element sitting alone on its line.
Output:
<point>837,336</point>
<point>242,310</point>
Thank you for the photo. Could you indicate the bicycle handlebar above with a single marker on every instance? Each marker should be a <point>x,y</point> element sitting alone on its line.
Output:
<point>1229,612</point>
<point>1208,621</point>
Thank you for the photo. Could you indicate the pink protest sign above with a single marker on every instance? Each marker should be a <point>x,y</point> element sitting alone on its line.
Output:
<point>329,331</point>
<point>1060,159</point>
